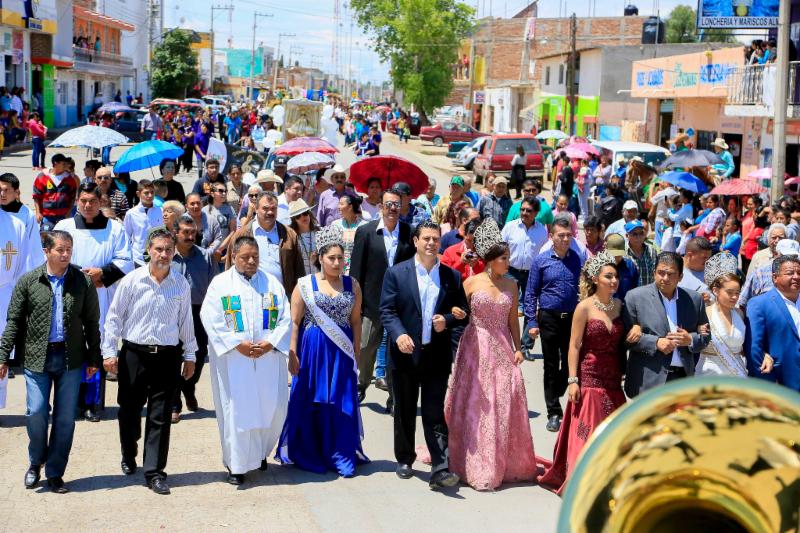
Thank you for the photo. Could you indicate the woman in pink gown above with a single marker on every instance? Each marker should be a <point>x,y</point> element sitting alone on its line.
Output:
<point>596,358</point>
<point>486,407</point>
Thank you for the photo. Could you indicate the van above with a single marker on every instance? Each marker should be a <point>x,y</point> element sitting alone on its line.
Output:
<point>652,154</point>
<point>499,150</point>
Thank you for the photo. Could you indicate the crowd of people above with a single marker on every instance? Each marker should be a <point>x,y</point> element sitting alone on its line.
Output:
<point>275,274</point>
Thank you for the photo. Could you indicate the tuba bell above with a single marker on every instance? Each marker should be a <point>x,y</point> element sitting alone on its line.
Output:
<point>711,454</point>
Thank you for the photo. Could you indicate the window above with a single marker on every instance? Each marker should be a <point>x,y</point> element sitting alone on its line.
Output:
<point>561,74</point>
<point>464,128</point>
<point>63,88</point>
<point>547,76</point>
<point>448,126</point>
<point>509,146</point>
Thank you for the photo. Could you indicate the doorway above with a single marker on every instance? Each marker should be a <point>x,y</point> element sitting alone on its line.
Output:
<point>734,142</point>
<point>81,100</point>
<point>665,110</point>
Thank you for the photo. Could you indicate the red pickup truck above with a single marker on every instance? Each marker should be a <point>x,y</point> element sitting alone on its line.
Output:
<point>498,152</point>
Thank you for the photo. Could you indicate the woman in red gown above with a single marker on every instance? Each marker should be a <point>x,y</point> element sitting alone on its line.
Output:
<point>596,356</point>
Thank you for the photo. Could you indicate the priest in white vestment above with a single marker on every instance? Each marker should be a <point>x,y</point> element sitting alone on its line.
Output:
<point>246,315</point>
<point>11,204</point>
<point>15,260</point>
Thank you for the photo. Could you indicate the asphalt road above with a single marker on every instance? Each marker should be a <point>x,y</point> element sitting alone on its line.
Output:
<point>281,499</point>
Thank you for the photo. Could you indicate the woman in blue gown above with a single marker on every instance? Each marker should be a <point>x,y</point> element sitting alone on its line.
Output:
<point>323,429</point>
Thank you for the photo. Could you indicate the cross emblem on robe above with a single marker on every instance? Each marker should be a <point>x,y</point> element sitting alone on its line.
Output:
<point>8,253</point>
<point>232,309</point>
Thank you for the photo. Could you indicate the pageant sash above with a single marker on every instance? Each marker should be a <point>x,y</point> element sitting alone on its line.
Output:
<point>731,361</point>
<point>328,326</point>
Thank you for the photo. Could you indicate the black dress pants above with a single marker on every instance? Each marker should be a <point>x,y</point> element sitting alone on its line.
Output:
<point>187,386</point>
<point>406,385</point>
<point>151,379</point>
<point>555,329</point>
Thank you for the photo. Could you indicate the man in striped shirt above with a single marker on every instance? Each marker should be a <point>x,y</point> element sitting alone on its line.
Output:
<point>54,194</point>
<point>152,315</point>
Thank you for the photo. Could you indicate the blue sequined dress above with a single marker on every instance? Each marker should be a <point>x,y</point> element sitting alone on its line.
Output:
<point>322,429</point>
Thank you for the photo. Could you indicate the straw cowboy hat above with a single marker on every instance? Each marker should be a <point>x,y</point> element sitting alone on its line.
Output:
<point>298,207</point>
<point>720,143</point>
<point>268,176</point>
<point>679,138</point>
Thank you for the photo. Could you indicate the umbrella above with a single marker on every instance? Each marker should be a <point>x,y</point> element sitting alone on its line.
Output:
<point>737,187</point>
<point>575,153</point>
<point>792,181</point>
<point>298,145</point>
<point>308,161</point>
<point>146,155</point>
<point>684,180</point>
<point>551,134</point>
<point>586,147</point>
<point>763,174</point>
<point>115,107</point>
<point>90,137</point>
<point>383,108</point>
<point>664,194</point>
<point>390,169</point>
<point>691,158</point>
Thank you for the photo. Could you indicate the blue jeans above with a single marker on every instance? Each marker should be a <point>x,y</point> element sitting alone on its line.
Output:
<point>55,453</point>
<point>106,155</point>
<point>380,363</point>
<point>521,276</point>
<point>38,152</point>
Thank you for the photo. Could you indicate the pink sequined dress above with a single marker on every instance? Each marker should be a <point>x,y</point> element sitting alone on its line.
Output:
<point>600,376</point>
<point>486,408</point>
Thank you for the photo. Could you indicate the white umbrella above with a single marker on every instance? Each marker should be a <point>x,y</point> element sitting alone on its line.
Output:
<point>551,134</point>
<point>90,137</point>
<point>308,161</point>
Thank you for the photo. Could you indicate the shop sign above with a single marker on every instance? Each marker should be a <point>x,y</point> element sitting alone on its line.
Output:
<point>479,97</point>
<point>702,74</point>
<point>735,14</point>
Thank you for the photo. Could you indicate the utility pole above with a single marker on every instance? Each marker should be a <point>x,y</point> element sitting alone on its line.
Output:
<point>218,8</point>
<point>253,52</point>
<point>294,49</point>
<point>781,98</point>
<point>573,28</point>
<point>277,59</point>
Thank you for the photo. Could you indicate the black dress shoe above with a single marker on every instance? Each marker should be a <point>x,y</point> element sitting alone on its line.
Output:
<point>390,407</point>
<point>56,485</point>
<point>235,479</point>
<point>32,476</point>
<point>553,423</point>
<point>380,383</point>
<point>10,374</point>
<point>128,466</point>
<point>264,465</point>
<point>191,403</point>
<point>158,485</point>
<point>91,416</point>
<point>443,479</point>
<point>362,394</point>
<point>404,471</point>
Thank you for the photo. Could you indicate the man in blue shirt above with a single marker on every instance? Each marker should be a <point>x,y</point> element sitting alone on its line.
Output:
<point>550,300</point>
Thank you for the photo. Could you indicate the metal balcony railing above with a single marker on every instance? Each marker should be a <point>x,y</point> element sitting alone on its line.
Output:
<point>87,55</point>
<point>755,85</point>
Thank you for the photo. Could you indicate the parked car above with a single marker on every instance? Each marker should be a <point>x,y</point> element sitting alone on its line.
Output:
<point>455,147</point>
<point>414,125</point>
<point>218,99</point>
<point>194,101</point>
<point>499,150</point>
<point>466,157</point>
<point>652,154</point>
<point>130,124</point>
<point>446,132</point>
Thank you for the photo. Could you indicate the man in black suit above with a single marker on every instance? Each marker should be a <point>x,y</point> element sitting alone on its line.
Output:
<point>417,304</point>
<point>378,245</point>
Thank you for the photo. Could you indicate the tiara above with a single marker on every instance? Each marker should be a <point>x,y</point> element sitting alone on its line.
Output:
<point>486,235</point>
<point>719,265</point>
<point>329,235</point>
<point>597,262</point>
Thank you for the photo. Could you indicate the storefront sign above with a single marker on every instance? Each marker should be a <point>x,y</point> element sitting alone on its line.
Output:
<point>478,97</point>
<point>702,74</point>
<point>737,13</point>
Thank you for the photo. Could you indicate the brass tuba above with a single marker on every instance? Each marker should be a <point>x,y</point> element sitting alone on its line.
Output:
<point>712,454</point>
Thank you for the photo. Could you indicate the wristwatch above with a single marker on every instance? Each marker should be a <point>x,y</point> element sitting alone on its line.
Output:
<point>572,380</point>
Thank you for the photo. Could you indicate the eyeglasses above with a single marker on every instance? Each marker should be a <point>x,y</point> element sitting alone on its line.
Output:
<point>102,178</point>
<point>529,191</point>
<point>391,205</point>
<point>252,195</point>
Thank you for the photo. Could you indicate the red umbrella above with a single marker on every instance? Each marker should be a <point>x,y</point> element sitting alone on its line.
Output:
<point>390,169</point>
<point>737,187</point>
<point>384,108</point>
<point>298,145</point>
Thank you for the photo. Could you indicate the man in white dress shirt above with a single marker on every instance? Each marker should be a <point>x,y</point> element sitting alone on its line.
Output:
<point>292,191</point>
<point>246,316</point>
<point>152,315</point>
<point>140,219</point>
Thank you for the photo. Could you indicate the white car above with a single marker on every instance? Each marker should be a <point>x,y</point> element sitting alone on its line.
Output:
<point>652,154</point>
<point>466,156</point>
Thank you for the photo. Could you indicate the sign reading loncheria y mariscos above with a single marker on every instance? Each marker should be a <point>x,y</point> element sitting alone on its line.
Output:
<point>737,13</point>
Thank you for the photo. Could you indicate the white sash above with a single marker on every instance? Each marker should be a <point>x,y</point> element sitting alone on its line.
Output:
<point>328,326</point>
<point>731,361</point>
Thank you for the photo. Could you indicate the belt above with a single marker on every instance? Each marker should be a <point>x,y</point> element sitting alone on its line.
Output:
<point>147,348</point>
<point>673,369</point>
<point>558,313</point>
<point>518,269</point>
<point>61,345</point>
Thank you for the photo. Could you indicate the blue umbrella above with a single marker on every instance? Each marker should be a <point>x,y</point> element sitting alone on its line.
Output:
<point>146,155</point>
<point>89,137</point>
<point>684,180</point>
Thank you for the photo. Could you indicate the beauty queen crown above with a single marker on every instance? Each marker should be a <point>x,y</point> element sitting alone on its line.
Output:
<point>486,235</point>
<point>329,235</point>
<point>719,265</point>
<point>597,262</point>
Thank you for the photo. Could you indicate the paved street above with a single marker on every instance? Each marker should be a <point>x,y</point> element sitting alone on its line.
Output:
<point>281,499</point>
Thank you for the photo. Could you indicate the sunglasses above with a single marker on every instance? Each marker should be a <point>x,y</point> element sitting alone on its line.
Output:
<point>391,205</point>
<point>252,195</point>
<point>102,178</point>
<point>220,190</point>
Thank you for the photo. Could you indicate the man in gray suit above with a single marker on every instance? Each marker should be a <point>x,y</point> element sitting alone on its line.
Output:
<point>669,317</point>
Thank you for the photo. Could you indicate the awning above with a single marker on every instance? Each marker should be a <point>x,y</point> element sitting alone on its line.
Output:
<point>529,112</point>
<point>111,22</point>
<point>51,61</point>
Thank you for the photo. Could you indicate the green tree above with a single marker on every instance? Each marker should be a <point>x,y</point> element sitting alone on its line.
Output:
<point>420,40</point>
<point>681,28</point>
<point>174,66</point>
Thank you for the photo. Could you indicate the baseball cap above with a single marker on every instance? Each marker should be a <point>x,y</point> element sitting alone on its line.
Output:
<point>615,245</point>
<point>280,160</point>
<point>788,247</point>
<point>500,179</point>
<point>402,187</point>
<point>632,225</point>
<point>457,180</point>
<point>630,204</point>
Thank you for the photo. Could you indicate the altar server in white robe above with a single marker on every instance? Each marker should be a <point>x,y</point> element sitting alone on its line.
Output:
<point>102,250</point>
<point>11,204</point>
<point>246,315</point>
<point>15,260</point>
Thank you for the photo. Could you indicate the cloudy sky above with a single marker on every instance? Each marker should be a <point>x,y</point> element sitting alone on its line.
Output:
<point>312,22</point>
